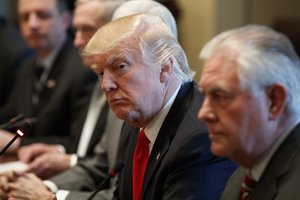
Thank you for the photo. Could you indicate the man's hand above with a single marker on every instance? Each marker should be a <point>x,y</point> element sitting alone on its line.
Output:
<point>28,153</point>
<point>5,178</point>
<point>49,164</point>
<point>29,187</point>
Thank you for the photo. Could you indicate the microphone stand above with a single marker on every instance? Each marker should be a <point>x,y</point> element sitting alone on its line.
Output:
<point>112,173</point>
<point>19,133</point>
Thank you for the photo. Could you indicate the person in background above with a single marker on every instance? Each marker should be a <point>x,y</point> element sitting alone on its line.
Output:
<point>145,76</point>
<point>86,172</point>
<point>89,15</point>
<point>48,88</point>
<point>251,85</point>
<point>13,51</point>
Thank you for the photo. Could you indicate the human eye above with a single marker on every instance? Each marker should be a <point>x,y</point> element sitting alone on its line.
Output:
<point>222,98</point>
<point>87,29</point>
<point>44,15</point>
<point>97,70</point>
<point>24,17</point>
<point>121,67</point>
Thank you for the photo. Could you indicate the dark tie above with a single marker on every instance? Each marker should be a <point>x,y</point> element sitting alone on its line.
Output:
<point>247,187</point>
<point>39,69</point>
<point>140,159</point>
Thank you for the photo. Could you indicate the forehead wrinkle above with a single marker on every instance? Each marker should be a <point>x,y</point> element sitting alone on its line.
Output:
<point>118,56</point>
<point>213,84</point>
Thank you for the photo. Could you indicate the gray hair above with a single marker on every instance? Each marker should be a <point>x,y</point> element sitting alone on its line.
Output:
<point>109,6</point>
<point>264,57</point>
<point>149,7</point>
<point>155,41</point>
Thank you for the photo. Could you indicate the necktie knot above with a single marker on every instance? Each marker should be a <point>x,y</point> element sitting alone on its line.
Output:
<point>247,187</point>
<point>142,139</point>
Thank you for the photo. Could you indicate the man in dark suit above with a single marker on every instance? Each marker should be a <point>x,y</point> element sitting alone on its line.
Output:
<point>147,81</point>
<point>184,146</point>
<point>48,88</point>
<point>251,84</point>
<point>92,118</point>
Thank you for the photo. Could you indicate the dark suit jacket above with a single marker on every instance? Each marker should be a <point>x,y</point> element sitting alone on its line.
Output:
<point>281,178</point>
<point>13,51</point>
<point>99,126</point>
<point>90,172</point>
<point>60,99</point>
<point>181,165</point>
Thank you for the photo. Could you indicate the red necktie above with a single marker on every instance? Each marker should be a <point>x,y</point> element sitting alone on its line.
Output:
<point>247,187</point>
<point>140,159</point>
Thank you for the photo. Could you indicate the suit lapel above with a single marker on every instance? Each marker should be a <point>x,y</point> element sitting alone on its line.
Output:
<point>100,126</point>
<point>167,132</point>
<point>159,150</point>
<point>127,144</point>
<point>56,72</point>
<point>233,185</point>
<point>280,165</point>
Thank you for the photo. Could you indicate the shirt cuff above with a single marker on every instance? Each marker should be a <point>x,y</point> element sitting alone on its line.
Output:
<point>73,160</point>
<point>62,194</point>
<point>52,187</point>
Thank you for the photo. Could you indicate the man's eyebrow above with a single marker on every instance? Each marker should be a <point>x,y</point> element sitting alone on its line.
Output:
<point>215,89</point>
<point>111,59</point>
<point>94,66</point>
<point>123,56</point>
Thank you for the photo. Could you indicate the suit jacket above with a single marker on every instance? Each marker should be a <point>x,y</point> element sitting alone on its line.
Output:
<point>13,51</point>
<point>60,98</point>
<point>181,165</point>
<point>281,178</point>
<point>91,171</point>
<point>100,125</point>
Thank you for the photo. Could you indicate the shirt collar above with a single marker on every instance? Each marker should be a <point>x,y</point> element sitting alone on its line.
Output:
<point>152,129</point>
<point>257,170</point>
<point>49,60</point>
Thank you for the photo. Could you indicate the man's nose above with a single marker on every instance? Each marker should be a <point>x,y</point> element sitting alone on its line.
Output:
<point>33,20</point>
<point>107,82</point>
<point>79,41</point>
<point>205,112</point>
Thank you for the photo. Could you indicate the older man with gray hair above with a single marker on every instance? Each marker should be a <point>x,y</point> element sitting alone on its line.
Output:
<point>88,174</point>
<point>252,94</point>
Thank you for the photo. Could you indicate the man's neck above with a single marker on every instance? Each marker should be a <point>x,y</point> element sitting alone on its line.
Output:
<point>43,53</point>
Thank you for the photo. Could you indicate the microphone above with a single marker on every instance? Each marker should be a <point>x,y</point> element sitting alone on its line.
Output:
<point>10,125</point>
<point>111,173</point>
<point>19,133</point>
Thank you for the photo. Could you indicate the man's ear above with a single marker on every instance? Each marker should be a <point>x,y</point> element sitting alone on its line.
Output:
<point>166,70</point>
<point>277,98</point>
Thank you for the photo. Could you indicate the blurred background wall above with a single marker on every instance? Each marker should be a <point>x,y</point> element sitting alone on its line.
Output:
<point>200,20</point>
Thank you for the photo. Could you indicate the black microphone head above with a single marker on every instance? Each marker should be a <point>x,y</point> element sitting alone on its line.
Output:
<point>16,119</point>
<point>10,125</point>
<point>24,129</point>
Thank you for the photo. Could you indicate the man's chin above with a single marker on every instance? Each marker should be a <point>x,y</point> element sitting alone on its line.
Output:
<point>218,149</point>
